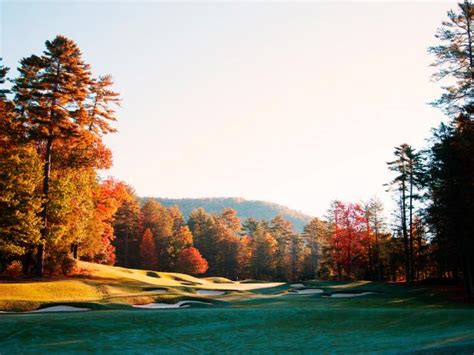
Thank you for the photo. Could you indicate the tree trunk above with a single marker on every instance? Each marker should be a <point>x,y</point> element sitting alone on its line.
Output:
<point>405,234</point>
<point>371,263</point>
<point>412,268</point>
<point>377,256</point>
<point>39,265</point>
<point>26,262</point>
<point>74,250</point>
<point>469,24</point>
<point>126,247</point>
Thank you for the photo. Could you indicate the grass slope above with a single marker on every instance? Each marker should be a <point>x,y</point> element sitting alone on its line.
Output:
<point>108,285</point>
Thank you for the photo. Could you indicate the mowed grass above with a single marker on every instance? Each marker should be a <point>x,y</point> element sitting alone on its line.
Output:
<point>395,319</point>
<point>294,325</point>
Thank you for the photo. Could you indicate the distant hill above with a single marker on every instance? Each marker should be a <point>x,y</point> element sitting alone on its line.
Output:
<point>245,208</point>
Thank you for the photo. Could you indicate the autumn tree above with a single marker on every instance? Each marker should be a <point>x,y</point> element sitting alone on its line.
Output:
<point>148,253</point>
<point>100,112</point>
<point>202,226</point>
<point>177,217</point>
<point>282,231</point>
<point>20,174</point>
<point>190,261</point>
<point>109,196</point>
<point>249,226</point>
<point>295,250</point>
<point>226,229</point>
<point>49,93</point>
<point>375,236</point>
<point>263,258</point>
<point>51,97</point>
<point>313,236</point>
<point>347,241</point>
<point>181,239</point>
<point>229,217</point>
<point>244,257</point>
<point>157,218</point>
<point>126,230</point>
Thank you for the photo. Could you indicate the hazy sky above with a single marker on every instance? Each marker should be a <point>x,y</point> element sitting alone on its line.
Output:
<point>295,103</point>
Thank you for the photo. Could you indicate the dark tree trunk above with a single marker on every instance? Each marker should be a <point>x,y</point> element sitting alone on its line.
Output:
<point>26,262</point>
<point>39,264</point>
<point>371,262</point>
<point>405,234</point>
<point>74,250</point>
<point>412,267</point>
<point>126,247</point>
<point>377,256</point>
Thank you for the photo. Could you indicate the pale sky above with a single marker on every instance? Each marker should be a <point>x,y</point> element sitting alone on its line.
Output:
<point>297,103</point>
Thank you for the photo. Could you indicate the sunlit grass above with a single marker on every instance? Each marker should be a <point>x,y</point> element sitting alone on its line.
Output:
<point>110,285</point>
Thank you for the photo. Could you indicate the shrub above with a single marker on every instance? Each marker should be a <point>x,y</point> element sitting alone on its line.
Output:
<point>59,263</point>
<point>14,269</point>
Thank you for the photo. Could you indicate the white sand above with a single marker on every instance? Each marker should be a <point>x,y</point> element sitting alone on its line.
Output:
<point>60,309</point>
<point>343,295</point>
<point>210,292</point>
<point>307,291</point>
<point>180,304</point>
<point>297,285</point>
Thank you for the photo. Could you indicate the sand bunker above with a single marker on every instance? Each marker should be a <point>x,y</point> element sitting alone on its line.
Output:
<point>307,291</point>
<point>60,309</point>
<point>297,285</point>
<point>210,292</point>
<point>180,304</point>
<point>343,295</point>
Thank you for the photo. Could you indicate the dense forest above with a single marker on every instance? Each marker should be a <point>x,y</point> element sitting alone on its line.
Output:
<point>260,210</point>
<point>55,208</point>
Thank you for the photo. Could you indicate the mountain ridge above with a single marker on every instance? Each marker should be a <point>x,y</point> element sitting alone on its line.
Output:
<point>257,209</point>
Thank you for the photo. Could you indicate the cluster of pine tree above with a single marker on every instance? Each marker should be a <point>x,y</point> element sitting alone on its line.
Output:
<point>52,121</point>
<point>434,188</point>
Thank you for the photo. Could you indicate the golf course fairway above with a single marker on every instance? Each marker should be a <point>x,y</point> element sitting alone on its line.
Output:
<point>392,319</point>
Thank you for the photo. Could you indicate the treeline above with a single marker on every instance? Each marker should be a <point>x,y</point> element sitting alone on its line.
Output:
<point>354,244</point>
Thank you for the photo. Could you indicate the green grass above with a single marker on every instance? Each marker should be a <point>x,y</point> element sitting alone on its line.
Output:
<point>396,319</point>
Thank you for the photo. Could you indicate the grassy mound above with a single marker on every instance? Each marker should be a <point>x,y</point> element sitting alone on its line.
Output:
<point>109,285</point>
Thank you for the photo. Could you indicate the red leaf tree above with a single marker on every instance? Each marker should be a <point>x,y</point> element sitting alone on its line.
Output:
<point>349,234</point>
<point>190,261</point>
<point>148,251</point>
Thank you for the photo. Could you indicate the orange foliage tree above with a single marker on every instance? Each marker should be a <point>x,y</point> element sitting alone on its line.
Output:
<point>190,261</point>
<point>148,251</point>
